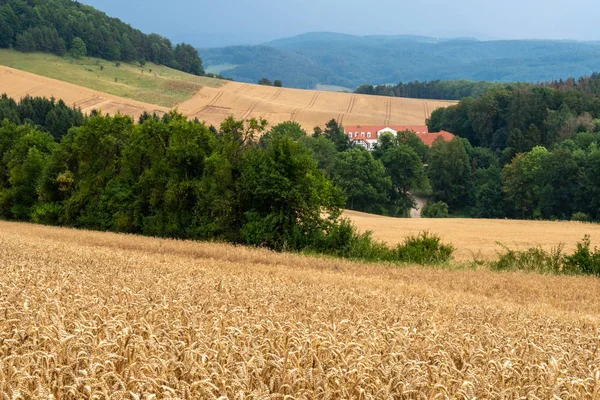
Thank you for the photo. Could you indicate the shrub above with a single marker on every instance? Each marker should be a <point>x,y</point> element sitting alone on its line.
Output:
<point>534,259</point>
<point>424,248</point>
<point>584,260</point>
<point>117,64</point>
<point>580,217</point>
<point>344,240</point>
<point>435,210</point>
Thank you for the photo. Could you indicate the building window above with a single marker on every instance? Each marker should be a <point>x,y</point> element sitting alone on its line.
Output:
<point>350,135</point>
<point>369,135</point>
<point>362,134</point>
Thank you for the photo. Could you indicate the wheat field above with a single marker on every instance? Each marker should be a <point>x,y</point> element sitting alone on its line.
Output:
<point>480,238</point>
<point>101,315</point>
<point>209,100</point>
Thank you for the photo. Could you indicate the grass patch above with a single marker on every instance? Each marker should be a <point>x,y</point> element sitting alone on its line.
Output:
<point>154,84</point>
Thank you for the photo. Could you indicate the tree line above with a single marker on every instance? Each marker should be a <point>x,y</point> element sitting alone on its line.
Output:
<point>168,176</point>
<point>55,26</point>
<point>437,89</point>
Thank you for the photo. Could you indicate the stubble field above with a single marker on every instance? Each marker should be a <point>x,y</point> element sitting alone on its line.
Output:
<point>101,315</point>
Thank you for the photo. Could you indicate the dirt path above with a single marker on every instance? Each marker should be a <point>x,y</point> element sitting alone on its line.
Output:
<point>416,212</point>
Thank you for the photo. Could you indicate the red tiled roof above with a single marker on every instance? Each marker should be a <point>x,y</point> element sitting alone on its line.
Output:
<point>429,138</point>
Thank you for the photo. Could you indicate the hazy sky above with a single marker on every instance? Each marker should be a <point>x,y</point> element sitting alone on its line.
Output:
<point>225,22</point>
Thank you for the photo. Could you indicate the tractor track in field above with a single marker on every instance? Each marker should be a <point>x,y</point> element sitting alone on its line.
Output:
<point>35,89</point>
<point>250,109</point>
<point>295,114</point>
<point>277,94</point>
<point>313,101</point>
<point>388,111</point>
<point>351,105</point>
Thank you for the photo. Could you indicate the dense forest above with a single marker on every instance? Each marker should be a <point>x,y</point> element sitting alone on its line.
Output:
<point>349,61</point>
<point>533,150</point>
<point>61,26</point>
<point>440,90</point>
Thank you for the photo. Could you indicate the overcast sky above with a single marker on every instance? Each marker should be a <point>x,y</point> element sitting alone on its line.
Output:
<point>227,22</point>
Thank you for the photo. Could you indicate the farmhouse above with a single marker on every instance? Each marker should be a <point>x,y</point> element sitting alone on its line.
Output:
<point>367,136</point>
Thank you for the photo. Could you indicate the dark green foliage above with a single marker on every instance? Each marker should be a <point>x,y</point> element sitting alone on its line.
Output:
<point>265,82</point>
<point>278,83</point>
<point>516,118</point>
<point>583,260</point>
<point>55,25</point>
<point>443,90</point>
<point>580,217</point>
<point>363,180</point>
<point>46,115</point>
<point>450,173</point>
<point>435,210</point>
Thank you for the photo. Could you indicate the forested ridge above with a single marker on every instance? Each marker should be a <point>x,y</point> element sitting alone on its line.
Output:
<point>349,61</point>
<point>61,26</point>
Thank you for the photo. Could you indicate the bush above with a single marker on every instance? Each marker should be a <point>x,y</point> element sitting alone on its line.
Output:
<point>343,240</point>
<point>581,217</point>
<point>435,210</point>
<point>582,261</point>
<point>425,249</point>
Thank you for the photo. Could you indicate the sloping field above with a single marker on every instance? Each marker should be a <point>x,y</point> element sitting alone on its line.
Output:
<point>152,83</point>
<point>309,108</point>
<point>100,315</point>
<point>17,84</point>
<point>97,84</point>
<point>480,237</point>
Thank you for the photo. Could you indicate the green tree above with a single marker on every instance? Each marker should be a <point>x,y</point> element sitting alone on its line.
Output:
<point>405,168</point>
<point>363,180</point>
<point>521,182</point>
<point>278,83</point>
<point>265,82</point>
<point>450,172</point>
<point>287,201</point>
<point>78,48</point>
<point>23,163</point>
<point>334,132</point>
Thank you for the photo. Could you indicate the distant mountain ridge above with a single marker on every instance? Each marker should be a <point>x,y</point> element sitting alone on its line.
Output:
<point>349,61</point>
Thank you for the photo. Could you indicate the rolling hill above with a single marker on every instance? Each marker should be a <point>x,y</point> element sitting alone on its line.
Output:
<point>349,61</point>
<point>211,100</point>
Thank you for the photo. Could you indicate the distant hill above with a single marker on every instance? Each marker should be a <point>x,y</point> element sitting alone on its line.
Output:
<point>349,61</point>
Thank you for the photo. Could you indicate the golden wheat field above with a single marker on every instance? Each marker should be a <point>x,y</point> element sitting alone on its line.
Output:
<point>101,315</point>
<point>480,238</point>
<point>216,102</point>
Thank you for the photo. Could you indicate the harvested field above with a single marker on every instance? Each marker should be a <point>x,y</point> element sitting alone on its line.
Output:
<point>211,100</point>
<point>480,237</point>
<point>101,315</point>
